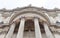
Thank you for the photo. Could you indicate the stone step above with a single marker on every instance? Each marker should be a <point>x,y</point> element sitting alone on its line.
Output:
<point>29,35</point>
<point>26,35</point>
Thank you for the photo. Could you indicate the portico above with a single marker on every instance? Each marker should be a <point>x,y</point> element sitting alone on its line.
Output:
<point>29,23</point>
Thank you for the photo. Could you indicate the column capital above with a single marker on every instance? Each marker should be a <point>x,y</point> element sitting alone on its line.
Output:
<point>35,17</point>
<point>22,18</point>
<point>44,22</point>
<point>12,23</point>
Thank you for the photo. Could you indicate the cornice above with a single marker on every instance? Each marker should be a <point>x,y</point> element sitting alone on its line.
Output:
<point>38,8</point>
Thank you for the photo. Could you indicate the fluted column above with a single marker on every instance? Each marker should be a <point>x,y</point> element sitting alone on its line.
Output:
<point>11,30</point>
<point>37,28</point>
<point>21,28</point>
<point>47,31</point>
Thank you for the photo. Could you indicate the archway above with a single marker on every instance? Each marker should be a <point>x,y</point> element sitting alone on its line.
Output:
<point>29,10</point>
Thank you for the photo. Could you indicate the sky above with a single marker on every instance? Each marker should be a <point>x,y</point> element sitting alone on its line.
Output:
<point>11,4</point>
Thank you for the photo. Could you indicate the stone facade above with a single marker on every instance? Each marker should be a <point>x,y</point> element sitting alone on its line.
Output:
<point>29,22</point>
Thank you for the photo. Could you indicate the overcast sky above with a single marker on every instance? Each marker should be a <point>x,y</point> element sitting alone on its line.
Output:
<point>10,4</point>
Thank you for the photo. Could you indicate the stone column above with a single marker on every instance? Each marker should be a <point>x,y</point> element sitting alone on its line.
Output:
<point>47,31</point>
<point>21,28</point>
<point>37,29</point>
<point>11,30</point>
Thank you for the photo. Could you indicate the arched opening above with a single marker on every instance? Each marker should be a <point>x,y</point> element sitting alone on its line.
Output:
<point>32,12</point>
